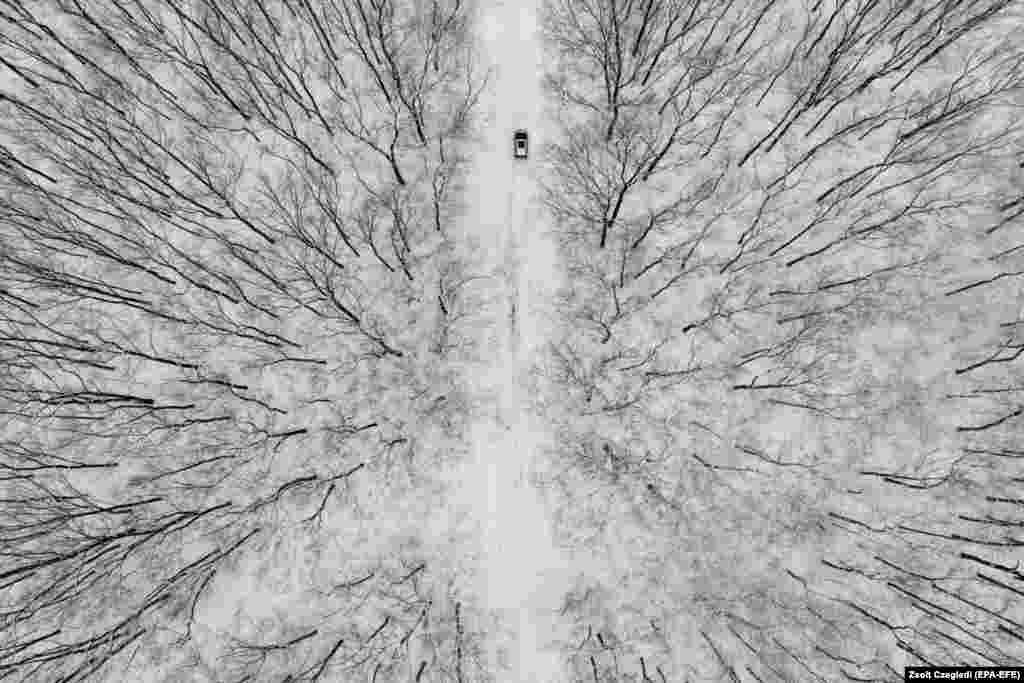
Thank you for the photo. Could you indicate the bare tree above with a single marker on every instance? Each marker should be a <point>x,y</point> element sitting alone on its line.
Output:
<point>389,622</point>
<point>780,222</point>
<point>224,242</point>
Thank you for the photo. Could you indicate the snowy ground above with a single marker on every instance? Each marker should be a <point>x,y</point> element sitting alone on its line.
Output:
<point>523,576</point>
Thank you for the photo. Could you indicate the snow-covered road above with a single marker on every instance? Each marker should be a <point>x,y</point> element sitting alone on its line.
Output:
<point>523,575</point>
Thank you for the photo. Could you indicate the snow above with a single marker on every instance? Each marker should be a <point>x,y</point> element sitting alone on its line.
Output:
<point>522,575</point>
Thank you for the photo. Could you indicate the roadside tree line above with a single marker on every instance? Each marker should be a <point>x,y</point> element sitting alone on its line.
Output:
<point>228,295</point>
<point>789,351</point>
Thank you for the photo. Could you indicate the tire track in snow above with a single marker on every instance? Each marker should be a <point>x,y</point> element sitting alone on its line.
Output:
<point>524,577</point>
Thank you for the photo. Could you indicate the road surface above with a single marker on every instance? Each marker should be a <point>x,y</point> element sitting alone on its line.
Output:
<point>523,576</point>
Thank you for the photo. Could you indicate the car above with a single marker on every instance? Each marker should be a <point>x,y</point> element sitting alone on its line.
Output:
<point>520,144</point>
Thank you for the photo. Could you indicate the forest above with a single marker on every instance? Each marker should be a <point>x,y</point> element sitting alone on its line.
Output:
<point>245,312</point>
